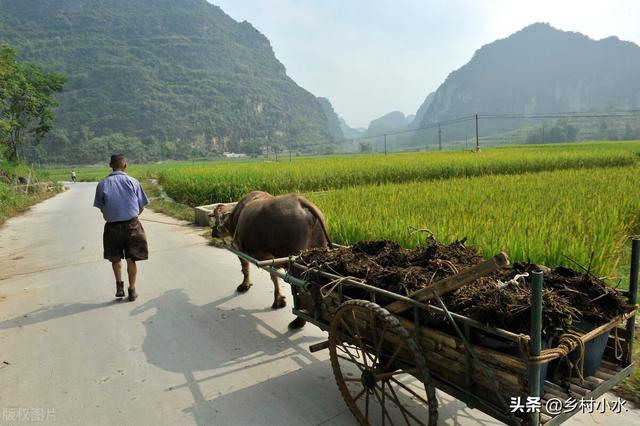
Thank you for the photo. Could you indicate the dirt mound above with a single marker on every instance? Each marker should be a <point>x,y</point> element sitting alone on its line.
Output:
<point>499,299</point>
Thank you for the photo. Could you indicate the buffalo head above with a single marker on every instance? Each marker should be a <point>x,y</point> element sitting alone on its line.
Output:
<point>221,226</point>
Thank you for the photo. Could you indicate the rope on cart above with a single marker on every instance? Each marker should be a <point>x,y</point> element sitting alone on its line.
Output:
<point>617,345</point>
<point>568,342</point>
<point>335,283</point>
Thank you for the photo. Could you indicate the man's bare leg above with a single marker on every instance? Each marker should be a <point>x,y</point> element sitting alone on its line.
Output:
<point>117,272</point>
<point>132,270</point>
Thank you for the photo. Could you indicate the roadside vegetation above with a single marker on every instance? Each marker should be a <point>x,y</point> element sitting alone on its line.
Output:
<point>26,115</point>
<point>15,199</point>
<point>158,202</point>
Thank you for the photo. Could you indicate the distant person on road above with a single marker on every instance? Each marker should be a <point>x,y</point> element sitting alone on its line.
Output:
<point>73,176</point>
<point>121,199</point>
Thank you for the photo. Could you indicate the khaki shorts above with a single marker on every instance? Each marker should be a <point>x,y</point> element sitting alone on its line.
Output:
<point>125,240</point>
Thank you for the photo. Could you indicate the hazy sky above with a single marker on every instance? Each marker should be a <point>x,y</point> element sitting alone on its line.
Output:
<point>371,57</point>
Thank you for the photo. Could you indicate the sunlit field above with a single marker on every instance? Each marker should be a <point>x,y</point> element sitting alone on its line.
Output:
<point>229,181</point>
<point>545,217</point>
<point>552,204</point>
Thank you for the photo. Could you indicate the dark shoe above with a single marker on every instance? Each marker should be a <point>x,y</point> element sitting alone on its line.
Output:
<point>119,289</point>
<point>132,294</point>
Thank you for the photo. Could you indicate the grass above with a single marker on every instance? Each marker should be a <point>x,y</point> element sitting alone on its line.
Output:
<point>541,217</point>
<point>226,181</point>
<point>13,202</point>
<point>161,205</point>
<point>92,173</point>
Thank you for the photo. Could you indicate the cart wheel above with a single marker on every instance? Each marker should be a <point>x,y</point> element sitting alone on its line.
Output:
<point>379,368</point>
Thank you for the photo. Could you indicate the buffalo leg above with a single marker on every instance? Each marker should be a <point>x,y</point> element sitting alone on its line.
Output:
<point>297,323</point>
<point>246,283</point>
<point>278,299</point>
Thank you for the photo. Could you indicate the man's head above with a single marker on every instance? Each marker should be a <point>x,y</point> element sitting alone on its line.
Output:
<point>118,162</point>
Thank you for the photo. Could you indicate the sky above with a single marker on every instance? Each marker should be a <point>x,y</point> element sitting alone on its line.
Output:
<point>371,57</point>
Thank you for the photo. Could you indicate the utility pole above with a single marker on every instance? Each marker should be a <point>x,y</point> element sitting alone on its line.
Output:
<point>466,143</point>
<point>542,132</point>
<point>477,138</point>
<point>439,138</point>
<point>385,144</point>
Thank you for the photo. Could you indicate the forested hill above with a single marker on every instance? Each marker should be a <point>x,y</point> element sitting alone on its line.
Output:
<point>180,75</point>
<point>539,69</point>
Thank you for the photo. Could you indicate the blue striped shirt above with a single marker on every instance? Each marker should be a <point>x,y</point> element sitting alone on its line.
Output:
<point>119,197</point>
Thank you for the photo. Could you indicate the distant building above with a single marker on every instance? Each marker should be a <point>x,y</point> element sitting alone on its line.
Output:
<point>234,155</point>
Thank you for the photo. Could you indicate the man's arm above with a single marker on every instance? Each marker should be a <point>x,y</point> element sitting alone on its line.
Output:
<point>142,199</point>
<point>98,200</point>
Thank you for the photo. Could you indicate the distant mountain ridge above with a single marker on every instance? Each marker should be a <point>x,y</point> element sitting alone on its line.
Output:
<point>388,123</point>
<point>162,70</point>
<point>538,69</point>
<point>333,119</point>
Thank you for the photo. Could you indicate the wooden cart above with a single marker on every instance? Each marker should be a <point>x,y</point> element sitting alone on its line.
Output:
<point>389,352</point>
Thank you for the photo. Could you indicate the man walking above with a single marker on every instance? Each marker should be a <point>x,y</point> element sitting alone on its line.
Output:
<point>121,199</point>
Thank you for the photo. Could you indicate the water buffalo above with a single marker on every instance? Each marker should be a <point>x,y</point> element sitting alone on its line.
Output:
<point>267,227</point>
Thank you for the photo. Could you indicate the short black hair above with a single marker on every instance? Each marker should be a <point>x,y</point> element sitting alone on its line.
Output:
<point>118,161</point>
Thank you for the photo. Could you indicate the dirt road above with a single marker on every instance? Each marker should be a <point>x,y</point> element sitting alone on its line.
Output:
<point>188,351</point>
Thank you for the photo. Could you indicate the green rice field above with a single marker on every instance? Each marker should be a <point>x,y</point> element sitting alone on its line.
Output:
<point>553,204</point>
<point>228,181</point>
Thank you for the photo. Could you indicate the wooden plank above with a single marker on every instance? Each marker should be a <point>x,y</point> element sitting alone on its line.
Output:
<point>486,355</point>
<point>550,385</point>
<point>450,354</point>
<point>544,418</point>
<point>586,385</point>
<point>453,371</point>
<point>608,370</point>
<point>453,282</point>
<point>602,375</point>
<point>610,366</point>
<point>554,393</point>
<point>578,389</point>
<point>594,380</point>
<point>621,319</point>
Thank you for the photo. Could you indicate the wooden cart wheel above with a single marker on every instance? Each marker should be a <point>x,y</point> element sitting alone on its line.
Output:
<point>379,368</point>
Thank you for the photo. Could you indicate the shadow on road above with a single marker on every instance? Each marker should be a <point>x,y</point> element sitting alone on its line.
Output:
<point>54,312</point>
<point>241,370</point>
<point>226,343</point>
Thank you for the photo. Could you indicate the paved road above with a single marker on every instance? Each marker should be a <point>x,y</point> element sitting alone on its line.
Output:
<point>188,351</point>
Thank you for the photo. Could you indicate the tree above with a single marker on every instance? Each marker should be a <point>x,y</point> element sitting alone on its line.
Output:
<point>365,146</point>
<point>26,100</point>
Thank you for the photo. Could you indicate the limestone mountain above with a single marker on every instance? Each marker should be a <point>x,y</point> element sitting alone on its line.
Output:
<point>351,132</point>
<point>180,75</point>
<point>333,120</point>
<point>539,69</point>
<point>391,122</point>
<point>417,119</point>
